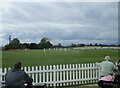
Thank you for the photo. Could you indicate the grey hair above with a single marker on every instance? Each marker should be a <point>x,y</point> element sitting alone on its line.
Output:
<point>107,58</point>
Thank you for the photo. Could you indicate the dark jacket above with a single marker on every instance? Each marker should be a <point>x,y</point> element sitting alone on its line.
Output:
<point>118,70</point>
<point>17,78</point>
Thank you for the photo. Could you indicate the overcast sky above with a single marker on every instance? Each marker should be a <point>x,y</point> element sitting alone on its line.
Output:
<point>62,22</point>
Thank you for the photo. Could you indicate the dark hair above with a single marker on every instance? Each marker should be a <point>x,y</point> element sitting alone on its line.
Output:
<point>17,65</point>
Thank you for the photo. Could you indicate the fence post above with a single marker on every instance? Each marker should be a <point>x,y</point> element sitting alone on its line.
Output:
<point>54,76</point>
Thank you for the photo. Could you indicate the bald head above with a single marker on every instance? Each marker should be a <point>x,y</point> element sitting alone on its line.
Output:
<point>107,58</point>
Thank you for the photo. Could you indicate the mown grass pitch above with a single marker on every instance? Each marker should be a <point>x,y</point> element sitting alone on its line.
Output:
<point>53,57</point>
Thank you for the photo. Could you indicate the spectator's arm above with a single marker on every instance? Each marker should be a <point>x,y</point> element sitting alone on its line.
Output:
<point>98,64</point>
<point>28,79</point>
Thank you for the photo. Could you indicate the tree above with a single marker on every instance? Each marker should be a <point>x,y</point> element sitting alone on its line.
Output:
<point>6,47</point>
<point>96,44</point>
<point>14,44</point>
<point>33,46</point>
<point>81,45</point>
<point>24,46</point>
<point>73,45</point>
<point>91,44</point>
<point>45,39</point>
<point>59,45</point>
<point>44,43</point>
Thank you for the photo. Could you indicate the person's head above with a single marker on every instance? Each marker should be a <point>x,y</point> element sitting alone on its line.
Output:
<point>17,65</point>
<point>107,58</point>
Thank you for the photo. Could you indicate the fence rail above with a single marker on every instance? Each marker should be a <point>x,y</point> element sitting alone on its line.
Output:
<point>61,75</point>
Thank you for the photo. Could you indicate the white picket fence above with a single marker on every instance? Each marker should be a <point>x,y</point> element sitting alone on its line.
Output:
<point>61,75</point>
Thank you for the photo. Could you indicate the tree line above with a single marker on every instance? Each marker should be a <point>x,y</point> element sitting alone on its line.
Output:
<point>15,44</point>
<point>43,44</point>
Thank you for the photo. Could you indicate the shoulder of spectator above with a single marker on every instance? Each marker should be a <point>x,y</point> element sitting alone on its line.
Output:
<point>98,63</point>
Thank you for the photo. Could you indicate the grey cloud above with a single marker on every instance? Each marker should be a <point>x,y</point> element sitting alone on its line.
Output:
<point>63,21</point>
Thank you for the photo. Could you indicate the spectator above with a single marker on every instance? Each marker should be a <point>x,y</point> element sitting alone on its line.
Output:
<point>16,78</point>
<point>107,67</point>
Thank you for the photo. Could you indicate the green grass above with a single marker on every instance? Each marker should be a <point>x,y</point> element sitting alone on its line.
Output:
<point>39,57</point>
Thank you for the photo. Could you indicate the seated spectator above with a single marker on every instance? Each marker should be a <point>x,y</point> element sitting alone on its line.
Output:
<point>106,74</point>
<point>107,67</point>
<point>16,78</point>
